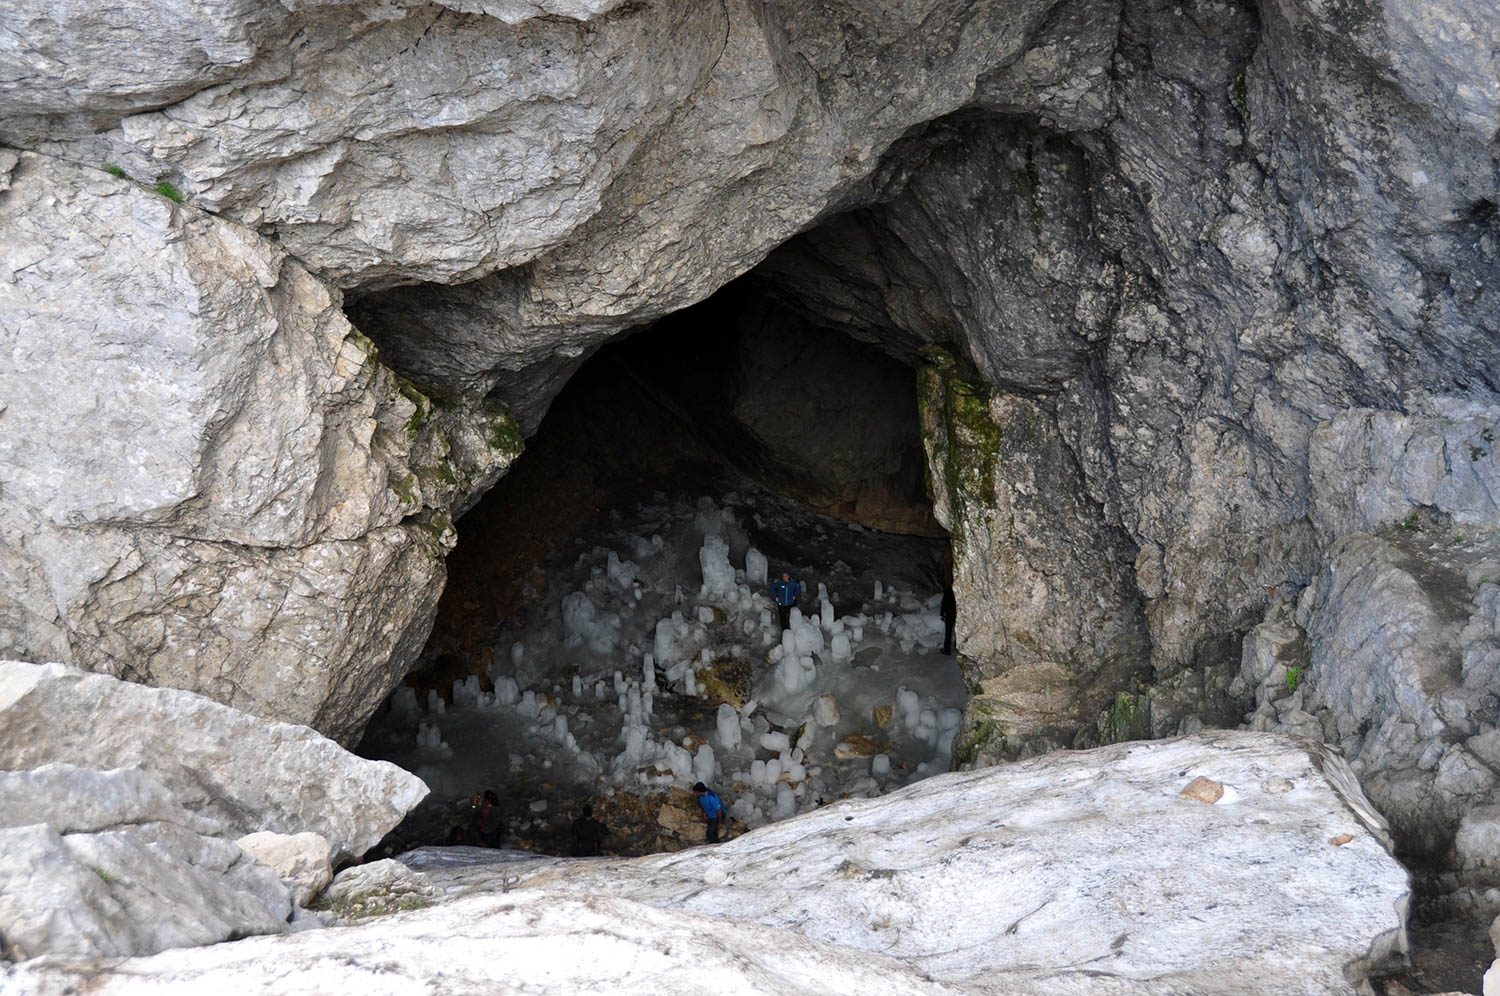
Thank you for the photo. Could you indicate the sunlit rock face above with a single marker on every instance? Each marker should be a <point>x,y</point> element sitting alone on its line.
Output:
<point>211,482</point>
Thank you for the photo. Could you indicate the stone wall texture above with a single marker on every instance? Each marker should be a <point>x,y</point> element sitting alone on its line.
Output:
<point>1171,239</point>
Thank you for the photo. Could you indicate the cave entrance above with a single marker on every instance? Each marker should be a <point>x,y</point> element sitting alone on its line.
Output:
<point>607,635</point>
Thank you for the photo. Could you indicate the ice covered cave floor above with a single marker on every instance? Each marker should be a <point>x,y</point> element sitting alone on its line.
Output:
<point>650,657</point>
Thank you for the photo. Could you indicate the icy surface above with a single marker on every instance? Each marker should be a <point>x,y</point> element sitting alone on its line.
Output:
<point>1072,873</point>
<point>617,680</point>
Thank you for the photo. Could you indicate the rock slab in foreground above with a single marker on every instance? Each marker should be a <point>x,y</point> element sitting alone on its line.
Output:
<point>131,890</point>
<point>1070,873</point>
<point>244,773</point>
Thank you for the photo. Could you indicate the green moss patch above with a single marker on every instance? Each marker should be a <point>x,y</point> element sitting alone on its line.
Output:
<point>963,437</point>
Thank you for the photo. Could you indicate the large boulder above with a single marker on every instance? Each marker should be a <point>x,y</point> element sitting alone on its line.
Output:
<point>211,481</point>
<point>1077,872</point>
<point>241,773</point>
<point>105,864</point>
<point>301,860</point>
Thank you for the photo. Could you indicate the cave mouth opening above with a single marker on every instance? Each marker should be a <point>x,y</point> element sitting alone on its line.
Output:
<point>607,633</point>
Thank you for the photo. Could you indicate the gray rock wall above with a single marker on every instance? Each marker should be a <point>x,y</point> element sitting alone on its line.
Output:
<point>211,482</point>
<point>1183,235</point>
<point>1392,651</point>
<point>1278,216</point>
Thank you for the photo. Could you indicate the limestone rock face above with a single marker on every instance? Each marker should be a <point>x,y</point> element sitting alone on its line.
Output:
<point>1185,313</point>
<point>1244,894</point>
<point>1399,670</point>
<point>1392,651</point>
<point>1371,469</point>
<point>1176,237</point>
<point>241,773</point>
<point>211,482</point>
<point>1052,623</point>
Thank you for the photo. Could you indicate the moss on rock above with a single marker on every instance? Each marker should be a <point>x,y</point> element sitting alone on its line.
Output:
<point>1128,718</point>
<point>962,438</point>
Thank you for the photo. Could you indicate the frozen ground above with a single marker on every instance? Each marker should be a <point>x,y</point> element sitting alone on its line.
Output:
<point>653,659</point>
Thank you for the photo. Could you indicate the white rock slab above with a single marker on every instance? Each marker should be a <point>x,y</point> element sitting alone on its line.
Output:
<point>1074,858</point>
<point>71,799</point>
<point>129,891</point>
<point>1078,872</point>
<point>245,773</point>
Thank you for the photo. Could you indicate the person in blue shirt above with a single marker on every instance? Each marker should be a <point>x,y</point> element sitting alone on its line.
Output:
<point>713,810</point>
<point>786,592</point>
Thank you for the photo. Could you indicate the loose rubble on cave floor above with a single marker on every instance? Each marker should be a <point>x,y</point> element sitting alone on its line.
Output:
<point>655,661</point>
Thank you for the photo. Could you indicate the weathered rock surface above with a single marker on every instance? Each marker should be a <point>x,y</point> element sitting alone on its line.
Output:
<point>1178,237</point>
<point>130,891</point>
<point>242,773</point>
<point>1078,873</point>
<point>71,799</point>
<point>1184,312</point>
<point>103,864</point>
<point>1392,651</point>
<point>302,861</point>
<point>1052,627</point>
<point>211,482</point>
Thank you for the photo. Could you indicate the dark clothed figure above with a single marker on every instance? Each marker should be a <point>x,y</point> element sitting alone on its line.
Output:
<point>714,812</point>
<point>786,592</point>
<point>949,612</point>
<point>490,823</point>
<point>588,834</point>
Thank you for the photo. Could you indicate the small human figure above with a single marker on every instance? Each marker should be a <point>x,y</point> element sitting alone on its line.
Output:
<point>786,592</point>
<point>476,813</point>
<point>588,833</point>
<point>489,822</point>
<point>949,612</point>
<point>713,810</point>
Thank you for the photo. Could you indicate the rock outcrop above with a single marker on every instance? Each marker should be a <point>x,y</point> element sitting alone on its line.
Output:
<point>1181,313</point>
<point>241,773</point>
<point>121,805</point>
<point>1169,241</point>
<point>1081,872</point>
<point>211,482</point>
<point>1392,651</point>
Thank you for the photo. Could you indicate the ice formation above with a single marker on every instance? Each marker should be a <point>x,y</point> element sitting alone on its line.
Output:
<point>638,640</point>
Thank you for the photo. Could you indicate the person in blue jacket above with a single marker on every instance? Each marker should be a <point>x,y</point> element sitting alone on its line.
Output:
<point>786,592</point>
<point>713,810</point>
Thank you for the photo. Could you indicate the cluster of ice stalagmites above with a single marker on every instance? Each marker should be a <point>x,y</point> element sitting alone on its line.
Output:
<point>642,678</point>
